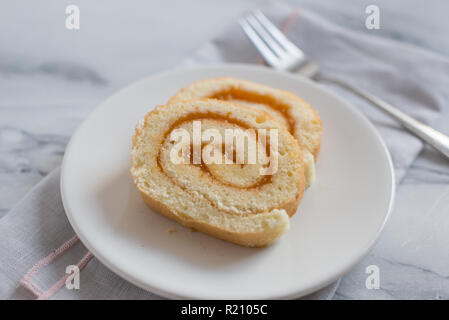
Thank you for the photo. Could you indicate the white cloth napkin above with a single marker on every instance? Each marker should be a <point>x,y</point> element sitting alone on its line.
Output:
<point>36,231</point>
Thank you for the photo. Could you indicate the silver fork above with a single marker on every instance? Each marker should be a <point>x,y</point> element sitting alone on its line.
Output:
<point>281,54</point>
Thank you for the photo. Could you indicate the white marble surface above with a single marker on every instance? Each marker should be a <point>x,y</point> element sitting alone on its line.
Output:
<point>50,78</point>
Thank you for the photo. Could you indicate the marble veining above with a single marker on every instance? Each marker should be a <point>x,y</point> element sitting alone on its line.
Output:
<point>62,69</point>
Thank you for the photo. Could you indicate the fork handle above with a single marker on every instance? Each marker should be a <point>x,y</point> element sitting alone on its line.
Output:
<point>433,137</point>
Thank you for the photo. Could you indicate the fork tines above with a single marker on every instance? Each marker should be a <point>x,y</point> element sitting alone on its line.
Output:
<point>277,50</point>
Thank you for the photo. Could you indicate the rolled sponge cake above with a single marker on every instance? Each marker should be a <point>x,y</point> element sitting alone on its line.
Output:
<point>232,202</point>
<point>295,114</point>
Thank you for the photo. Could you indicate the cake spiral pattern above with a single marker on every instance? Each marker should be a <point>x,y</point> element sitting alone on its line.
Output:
<point>231,201</point>
<point>292,112</point>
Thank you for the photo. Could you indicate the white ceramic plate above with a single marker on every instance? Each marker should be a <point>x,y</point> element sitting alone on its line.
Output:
<point>338,221</point>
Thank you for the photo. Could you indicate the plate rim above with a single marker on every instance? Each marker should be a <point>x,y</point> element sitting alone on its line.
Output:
<point>165,293</point>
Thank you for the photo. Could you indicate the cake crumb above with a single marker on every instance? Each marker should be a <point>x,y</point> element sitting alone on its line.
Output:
<point>171,230</point>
